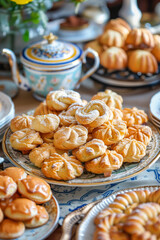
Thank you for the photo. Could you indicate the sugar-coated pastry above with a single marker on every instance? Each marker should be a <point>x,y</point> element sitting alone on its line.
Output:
<point>48,137</point>
<point>40,219</point>
<point>131,149</point>
<point>43,109</point>
<point>140,133</point>
<point>96,46</point>
<point>117,113</point>
<point>156,50</point>
<point>70,137</point>
<point>105,164</point>
<point>62,167</point>
<point>142,61</point>
<point>25,140</point>
<point>10,229</point>
<point>90,150</point>
<point>111,99</point>
<point>134,116</point>
<point>21,122</point>
<point>111,38</point>
<point>111,132</point>
<point>61,99</point>
<point>5,202</point>
<point>21,209</point>
<point>114,58</point>
<point>140,38</point>
<point>15,173</point>
<point>94,114</point>
<point>45,123</point>
<point>35,189</point>
<point>7,187</point>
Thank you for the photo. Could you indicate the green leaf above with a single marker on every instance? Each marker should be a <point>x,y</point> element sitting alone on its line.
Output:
<point>35,17</point>
<point>26,36</point>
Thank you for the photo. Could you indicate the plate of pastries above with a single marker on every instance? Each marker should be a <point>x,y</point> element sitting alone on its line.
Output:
<point>127,214</point>
<point>27,206</point>
<point>69,141</point>
<point>129,57</point>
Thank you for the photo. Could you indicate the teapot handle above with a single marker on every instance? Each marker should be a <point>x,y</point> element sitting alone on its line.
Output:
<point>91,70</point>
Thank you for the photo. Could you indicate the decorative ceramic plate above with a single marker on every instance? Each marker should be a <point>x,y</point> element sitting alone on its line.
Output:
<point>87,179</point>
<point>86,228</point>
<point>155,106</point>
<point>44,231</point>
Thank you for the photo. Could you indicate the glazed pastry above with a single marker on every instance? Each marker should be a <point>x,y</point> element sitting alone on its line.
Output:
<point>95,46</point>
<point>43,109</point>
<point>21,209</point>
<point>61,99</point>
<point>111,38</point>
<point>35,189</point>
<point>62,167</point>
<point>7,187</point>
<point>111,132</point>
<point>70,137</point>
<point>156,50</point>
<point>25,140</point>
<point>45,123</point>
<point>140,38</point>
<point>10,229</point>
<point>117,114</point>
<point>15,173</point>
<point>94,114</point>
<point>48,137</point>
<point>105,164</point>
<point>140,133</point>
<point>131,149</point>
<point>114,58</point>
<point>90,150</point>
<point>142,61</point>
<point>5,202</point>
<point>134,116</point>
<point>21,122</point>
<point>40,219</point>
<point>111,99</point>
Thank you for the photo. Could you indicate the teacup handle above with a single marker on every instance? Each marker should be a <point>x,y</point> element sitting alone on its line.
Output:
<point>91,70</point>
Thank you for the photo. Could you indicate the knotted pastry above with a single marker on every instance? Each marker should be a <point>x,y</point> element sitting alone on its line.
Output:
<point>95,46</point>
<point>15,173</point>
<point>142,61</point>
<point>48,137</point>
<point>70,137</point>
<point>111,38</point>
<point>25,140</point>
<point>94,114</point>
<point>140,38</point>
<point>10,229</point>
<point>21,122</point>
<point>61,99</point>
<point>45,123</point>
<point>140,133</point>
<point>90,150</point>
<point>131,149</point>
<point>62,167</point>
<point>117,114</point>
<point>156,50</point>
<point>111,99</point>
<point>111,132</point>
<point>43,109</point>
<point>114,58</point>
<point>7,187</point>
<point>105,164</point>
<point>134,116</point>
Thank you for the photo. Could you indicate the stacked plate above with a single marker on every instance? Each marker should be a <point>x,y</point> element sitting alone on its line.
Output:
<point>154,109</point>
<point>7,112</point>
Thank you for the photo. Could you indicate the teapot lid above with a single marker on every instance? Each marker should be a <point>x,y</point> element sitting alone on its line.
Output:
<point>50,53</point>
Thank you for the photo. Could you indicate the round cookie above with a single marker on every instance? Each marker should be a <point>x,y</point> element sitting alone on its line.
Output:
<point>15,173</point>
<point>11,229</point>
<point>7,187</point>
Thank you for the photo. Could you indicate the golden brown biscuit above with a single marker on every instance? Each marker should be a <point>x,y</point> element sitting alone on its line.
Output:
<point>21,209</point>
<point>114,58</point>
<point>117,114</point>
<point>90,150</point>
<point>95,46</point>
<point>48,137</point>
<point>118,21</point>
<point>15,173</point>
<point>25,140</point>
<point>43,109</point>
<point>61,99</point>
<point>134,116</point>
<point>40,219</point>
<point>7,187</point>
<point>94,114</point>
<point>111,99</point>
<point>5,202</point>
<point>131,149</point>
<point>45,123</point>
<point>21,122</point>
<point>10,229</point>
<point>62,167</point>
<point>35,189</point>
<point>156,50</point>
<point>1,215</point>
<point>70,137</point>
<point>111,38</point>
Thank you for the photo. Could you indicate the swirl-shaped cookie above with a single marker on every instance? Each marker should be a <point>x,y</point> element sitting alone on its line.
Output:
<point>70,137</point>
<point>43,109</point>
<point>111,132</point>
<point>94,114</point>
<point>21,122</point>
<point>111,99</point>
<point>61,99</point>
<point>117,113</point>
<point>62,167</point>
<point>134,116</point>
